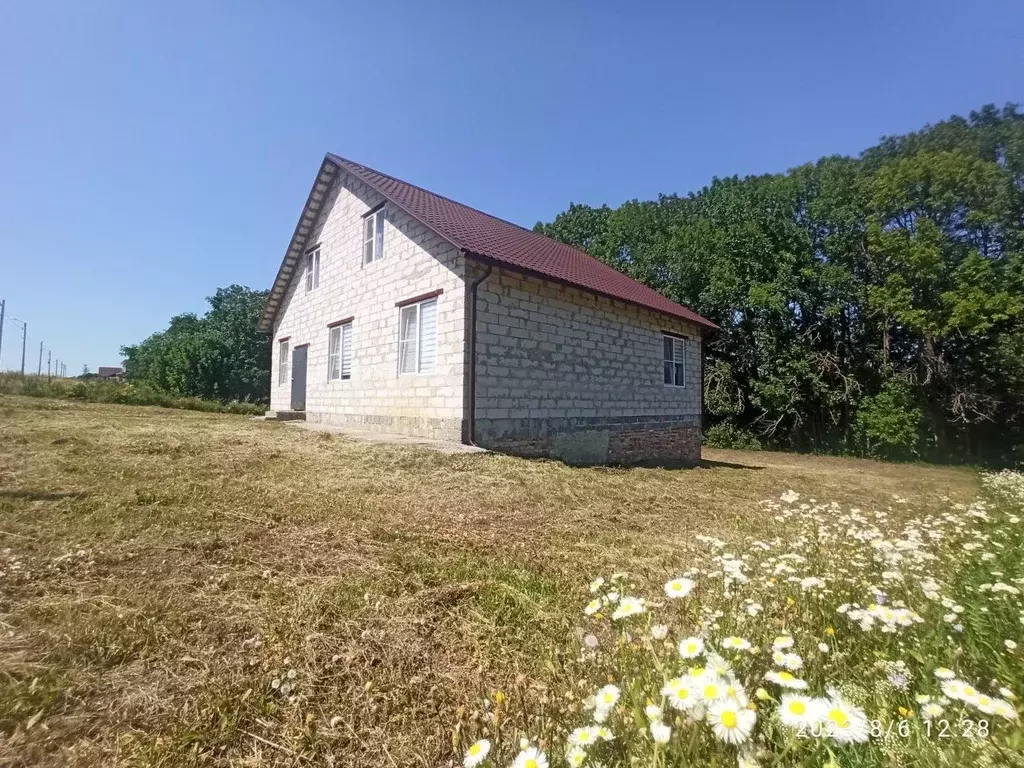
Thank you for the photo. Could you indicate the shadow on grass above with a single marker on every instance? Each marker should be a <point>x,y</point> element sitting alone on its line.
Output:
<point>709,464</point>
<point>41,495</point>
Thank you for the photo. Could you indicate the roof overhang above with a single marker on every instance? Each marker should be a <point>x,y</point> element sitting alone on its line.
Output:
<point>300,237</point>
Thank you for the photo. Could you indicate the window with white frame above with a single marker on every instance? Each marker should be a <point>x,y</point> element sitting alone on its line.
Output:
<point>675,366</point>
<point>313,270</point>
<point>373,235</point>
<point>339,352</point>
<point>417,337</point>
<point>282,362</point>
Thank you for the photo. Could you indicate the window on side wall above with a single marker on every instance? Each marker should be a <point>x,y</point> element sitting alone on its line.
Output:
<point>373,235</point>
<point>417,337</point>
<point>675,365</point>
<point>282,362</point>
<point>339,353</point>
<point>313,270</point>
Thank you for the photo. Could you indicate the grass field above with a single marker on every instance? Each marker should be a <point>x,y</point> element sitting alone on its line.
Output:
<point>161,570</point>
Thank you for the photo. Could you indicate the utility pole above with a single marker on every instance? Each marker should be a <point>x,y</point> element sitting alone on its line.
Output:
<point>3,306</point>
<point>49,354</point>
<point>40,371</point>
<point>24,338</point>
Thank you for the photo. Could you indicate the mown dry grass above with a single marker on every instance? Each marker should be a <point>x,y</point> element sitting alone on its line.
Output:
<point>161,568</point>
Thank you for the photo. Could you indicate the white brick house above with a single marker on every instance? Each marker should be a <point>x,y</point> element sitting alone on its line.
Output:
<point>398,310</point>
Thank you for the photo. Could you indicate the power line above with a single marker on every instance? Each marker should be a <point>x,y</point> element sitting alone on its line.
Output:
<point>58,369</point>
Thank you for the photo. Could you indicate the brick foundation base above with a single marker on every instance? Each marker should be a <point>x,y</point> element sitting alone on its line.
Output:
<point>668,445</point>
<point>644,444</point>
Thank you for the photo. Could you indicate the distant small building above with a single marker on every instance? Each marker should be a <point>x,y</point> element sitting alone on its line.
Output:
<point>110,372</point>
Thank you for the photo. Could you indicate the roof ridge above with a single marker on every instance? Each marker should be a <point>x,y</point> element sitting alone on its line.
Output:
<point>443,197</point>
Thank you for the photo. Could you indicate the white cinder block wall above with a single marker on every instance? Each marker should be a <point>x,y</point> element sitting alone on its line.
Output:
<point>553,360</point>
<point>416,261</point>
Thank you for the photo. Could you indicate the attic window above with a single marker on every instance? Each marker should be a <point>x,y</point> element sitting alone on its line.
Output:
<point>313,269</point>
<point>373,235</point>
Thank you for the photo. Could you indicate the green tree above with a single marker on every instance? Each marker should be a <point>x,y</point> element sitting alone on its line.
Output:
<point>218,356</point>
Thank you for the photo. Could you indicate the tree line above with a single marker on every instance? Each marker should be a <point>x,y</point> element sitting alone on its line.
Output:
<point>870,305</point>
<point>219,356</point>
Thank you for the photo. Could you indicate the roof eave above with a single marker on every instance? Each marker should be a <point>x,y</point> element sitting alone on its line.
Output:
<point>292,257</point>
<point>701,322</point>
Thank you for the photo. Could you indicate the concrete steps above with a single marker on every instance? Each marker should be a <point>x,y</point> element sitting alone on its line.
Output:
<point>285,415</point>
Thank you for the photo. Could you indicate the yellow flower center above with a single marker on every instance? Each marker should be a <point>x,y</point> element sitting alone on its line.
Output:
<point>785,676</point>
<point>710,691</point>
<point>839,717</point>
<point>729,719</point>
<point>475,750</point>
<point>797,707</point>
<point>608,699</point>
<point>531,763</point>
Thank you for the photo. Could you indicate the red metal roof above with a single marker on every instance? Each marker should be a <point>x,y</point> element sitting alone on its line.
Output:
<point>500,241</point>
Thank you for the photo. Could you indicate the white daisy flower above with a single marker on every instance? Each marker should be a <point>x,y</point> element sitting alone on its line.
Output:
<point>607,697</point>
<point>1004,709</point>
<point>576,757</point>
<point>660,732</point>
<point>583,737</point>
<point>678,588</point>
<point>592,607</point>
<point>823,647</point>
<point>781,643</point>
<point>944,673</point>
<point>604,733</point>
<point>799,711</point>
<point>659,632</point>
<point>846,724</point>
<point>531,757</point>
<point>597,583</point>
<point>653,712</point>
<point>932,710</point>
<point>790,661</point>
<point>789,497</point>
<point>691,647</point>
<point>730,723</point>
<point>718,665</point>
<point>786,680</point>
<point>680,693</point>
<point>1011,646</point>
<point>735,643</point>
<point>476,754</point>
<point>711,689</point>
<point>628,606</point>
<point>954,689</point>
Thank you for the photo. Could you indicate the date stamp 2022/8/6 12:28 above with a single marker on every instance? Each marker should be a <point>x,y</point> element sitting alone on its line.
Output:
<point>964,728</point>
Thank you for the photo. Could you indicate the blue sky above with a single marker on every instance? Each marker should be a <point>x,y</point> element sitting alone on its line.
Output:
<point>151,152</point>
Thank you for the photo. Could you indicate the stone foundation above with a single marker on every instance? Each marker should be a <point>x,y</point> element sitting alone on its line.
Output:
<point>416,426</point>
<point>663,441</point>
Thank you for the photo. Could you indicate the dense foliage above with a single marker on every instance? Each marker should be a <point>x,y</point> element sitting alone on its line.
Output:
<point>219,356</point>
<point>869,305</point>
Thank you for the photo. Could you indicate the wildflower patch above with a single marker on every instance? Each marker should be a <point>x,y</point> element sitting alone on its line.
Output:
<point>849,639</point>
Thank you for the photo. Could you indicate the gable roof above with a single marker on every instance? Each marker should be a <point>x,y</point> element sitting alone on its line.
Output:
<point>479,235</point>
